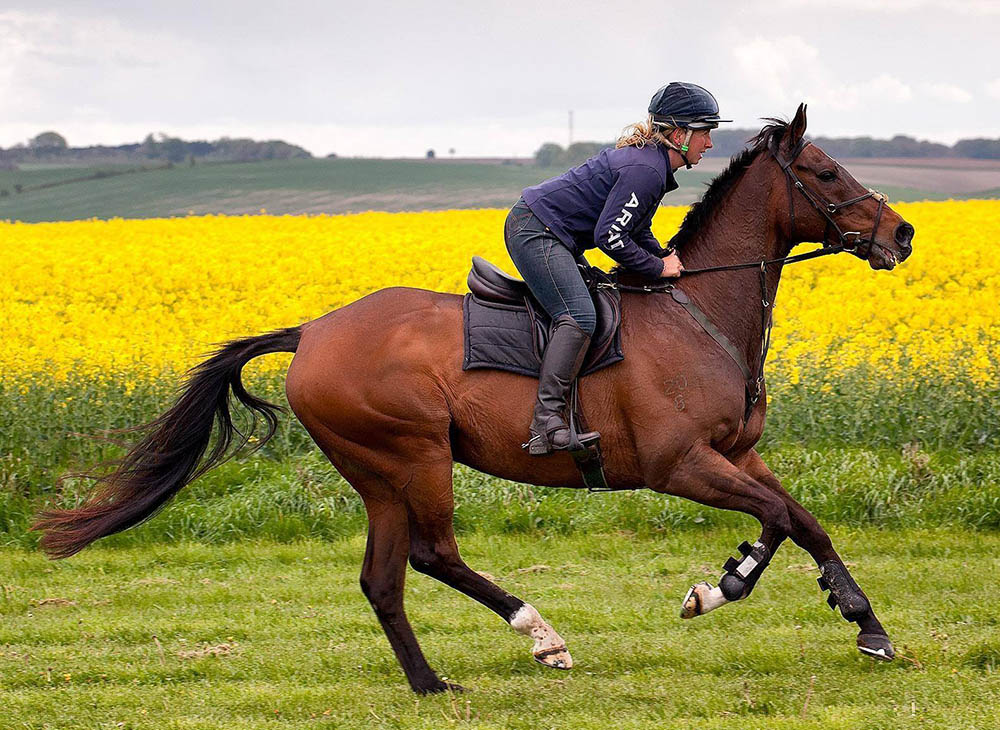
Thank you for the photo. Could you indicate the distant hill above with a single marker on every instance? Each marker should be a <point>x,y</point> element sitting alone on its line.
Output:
<point>51,148</point>
<point>728,142</point>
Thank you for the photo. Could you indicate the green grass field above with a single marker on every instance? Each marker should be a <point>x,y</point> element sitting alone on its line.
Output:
<point>239,605</point>
<point>306,186</point>
<point>258,634</point>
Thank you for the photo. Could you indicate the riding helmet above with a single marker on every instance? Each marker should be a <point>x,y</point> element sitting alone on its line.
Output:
<point>685,105</point>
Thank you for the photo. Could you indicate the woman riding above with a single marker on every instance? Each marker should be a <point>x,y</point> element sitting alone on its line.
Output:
<point>608,202</point>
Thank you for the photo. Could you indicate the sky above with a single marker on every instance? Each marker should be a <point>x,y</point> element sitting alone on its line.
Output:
<point>393,79</point>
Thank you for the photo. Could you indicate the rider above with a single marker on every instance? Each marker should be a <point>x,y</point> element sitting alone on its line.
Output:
<point>608,201</point>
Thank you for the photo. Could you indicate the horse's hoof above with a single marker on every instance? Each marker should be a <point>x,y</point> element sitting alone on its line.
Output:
<point>438,687</point>
<point>701,599</point>
<point>877,646</point>
<point>557,658</point>
<point>691,606</point>
<point>549,648</point>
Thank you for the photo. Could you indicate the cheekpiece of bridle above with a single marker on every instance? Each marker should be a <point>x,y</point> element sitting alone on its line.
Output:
<point>850,241</point>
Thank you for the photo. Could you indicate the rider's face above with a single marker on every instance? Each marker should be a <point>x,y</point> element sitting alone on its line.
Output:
<point>701,140</point>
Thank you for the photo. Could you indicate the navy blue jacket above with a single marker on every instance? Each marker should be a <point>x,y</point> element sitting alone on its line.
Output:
<point>609,202</point>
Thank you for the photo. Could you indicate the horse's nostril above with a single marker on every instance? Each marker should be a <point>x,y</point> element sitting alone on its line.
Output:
<point>903,234</point>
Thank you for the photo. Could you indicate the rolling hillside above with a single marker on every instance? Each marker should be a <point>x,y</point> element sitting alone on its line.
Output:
<point>352,185</point>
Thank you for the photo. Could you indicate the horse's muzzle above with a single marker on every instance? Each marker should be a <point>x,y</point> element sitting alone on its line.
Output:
<point>903,235</point>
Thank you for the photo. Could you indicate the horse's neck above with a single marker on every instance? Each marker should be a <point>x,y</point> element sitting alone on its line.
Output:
<point>742,229</point>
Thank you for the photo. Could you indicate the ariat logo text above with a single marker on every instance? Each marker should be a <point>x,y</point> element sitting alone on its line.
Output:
<point>621,222</point>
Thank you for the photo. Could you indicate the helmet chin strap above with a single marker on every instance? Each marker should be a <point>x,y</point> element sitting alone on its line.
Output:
<point>683,148</point>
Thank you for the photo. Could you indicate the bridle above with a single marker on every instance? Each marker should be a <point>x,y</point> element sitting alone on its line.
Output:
<point>859,246</point>
<point>824,208</point>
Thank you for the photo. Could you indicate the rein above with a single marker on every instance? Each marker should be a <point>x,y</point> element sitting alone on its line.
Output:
<point>755,382</point>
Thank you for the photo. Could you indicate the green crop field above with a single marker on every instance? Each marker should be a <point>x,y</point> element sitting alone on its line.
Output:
<point>869,453</point>
<point>319,186</point>
<point>292,186</point>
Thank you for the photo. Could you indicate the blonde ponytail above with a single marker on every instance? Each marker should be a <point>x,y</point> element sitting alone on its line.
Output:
<point>645,132</point>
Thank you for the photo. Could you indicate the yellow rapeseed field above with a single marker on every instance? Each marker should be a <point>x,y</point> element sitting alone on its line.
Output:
<point>145,298</point>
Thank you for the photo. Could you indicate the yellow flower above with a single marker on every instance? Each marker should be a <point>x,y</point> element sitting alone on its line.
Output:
<point>140,299</point>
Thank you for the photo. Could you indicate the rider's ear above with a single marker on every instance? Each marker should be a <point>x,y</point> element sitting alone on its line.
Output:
<point>797,127</point>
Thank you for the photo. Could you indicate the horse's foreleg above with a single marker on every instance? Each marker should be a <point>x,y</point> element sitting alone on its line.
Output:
<point>737,582</point>
<point>705,476</point>
<point>433,551</point>
<point>807,533</point>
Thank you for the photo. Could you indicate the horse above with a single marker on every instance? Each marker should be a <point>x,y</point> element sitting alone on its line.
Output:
<point>379,386</point>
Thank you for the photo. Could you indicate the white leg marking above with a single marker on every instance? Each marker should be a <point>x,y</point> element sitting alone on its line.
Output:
<point>549,648</point>
<point>701,599</point>
<point>877,653</point>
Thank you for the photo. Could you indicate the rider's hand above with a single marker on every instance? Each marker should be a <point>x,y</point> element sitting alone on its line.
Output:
<point>672,266</point>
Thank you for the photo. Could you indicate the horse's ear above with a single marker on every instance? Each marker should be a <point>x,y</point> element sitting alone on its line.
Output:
<point>797,127</point>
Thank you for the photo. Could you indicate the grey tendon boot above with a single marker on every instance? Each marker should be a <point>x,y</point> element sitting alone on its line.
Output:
<point>561,364</point>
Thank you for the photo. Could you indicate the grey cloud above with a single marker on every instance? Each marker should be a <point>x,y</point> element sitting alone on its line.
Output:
<point>354,67</point>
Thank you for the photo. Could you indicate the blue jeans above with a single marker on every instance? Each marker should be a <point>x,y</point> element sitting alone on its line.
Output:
<point>548,268</point>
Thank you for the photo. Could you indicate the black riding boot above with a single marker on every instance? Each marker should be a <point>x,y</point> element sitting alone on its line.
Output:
<point>560,365</point>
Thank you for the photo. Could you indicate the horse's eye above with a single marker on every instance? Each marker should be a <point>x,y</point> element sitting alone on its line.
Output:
<point>827,175</point>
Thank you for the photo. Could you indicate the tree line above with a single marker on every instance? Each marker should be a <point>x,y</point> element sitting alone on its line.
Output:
<point>728,142</point>
<point>52,147</point>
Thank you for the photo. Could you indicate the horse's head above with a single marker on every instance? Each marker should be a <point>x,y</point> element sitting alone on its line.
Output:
<point>827,204</point>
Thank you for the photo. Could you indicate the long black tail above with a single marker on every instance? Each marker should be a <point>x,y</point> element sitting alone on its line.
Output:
<point>170,455</point>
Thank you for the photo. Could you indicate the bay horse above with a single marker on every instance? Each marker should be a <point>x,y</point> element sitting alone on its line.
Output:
<point>379,386</point>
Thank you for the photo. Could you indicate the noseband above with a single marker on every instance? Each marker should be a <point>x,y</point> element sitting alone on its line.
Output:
<point>858,245</point>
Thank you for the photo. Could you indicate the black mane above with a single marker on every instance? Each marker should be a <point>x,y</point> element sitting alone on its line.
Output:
<point>701,211</point>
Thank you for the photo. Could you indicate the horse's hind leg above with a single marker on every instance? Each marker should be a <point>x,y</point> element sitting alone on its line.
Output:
<point>433,551</point>
<point>807,533</point>
<point>382,578</point>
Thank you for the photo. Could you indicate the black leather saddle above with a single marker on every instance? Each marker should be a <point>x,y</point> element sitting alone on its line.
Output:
<point>489,282</point>
<point>506,329</point>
